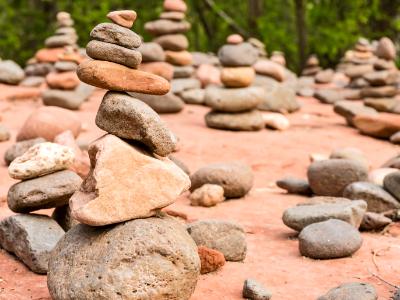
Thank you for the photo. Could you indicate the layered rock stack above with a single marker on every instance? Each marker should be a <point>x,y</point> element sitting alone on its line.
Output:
<point>44,60</point>
<point>45,183</point>
<point>312,66</point>
<point>123,233</point>
<point>234,106</point>
<point>169,31</point>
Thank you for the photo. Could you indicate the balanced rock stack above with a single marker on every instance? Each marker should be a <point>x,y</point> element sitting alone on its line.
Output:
<point>170,31</point>
<point>234,106</point>
<point>65,88</point>
<point>131,179</point>
<point>312,66</point>
<point>44,60</point>
<point>46,183</point>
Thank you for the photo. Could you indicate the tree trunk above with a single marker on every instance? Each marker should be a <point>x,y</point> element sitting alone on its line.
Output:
<point>301,31</point>
<point>254,12</point>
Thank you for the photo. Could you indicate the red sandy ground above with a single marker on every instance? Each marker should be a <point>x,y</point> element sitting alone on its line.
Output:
<point>273,257</point>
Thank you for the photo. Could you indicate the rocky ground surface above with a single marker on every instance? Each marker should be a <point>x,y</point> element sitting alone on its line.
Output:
<point>273,257</point>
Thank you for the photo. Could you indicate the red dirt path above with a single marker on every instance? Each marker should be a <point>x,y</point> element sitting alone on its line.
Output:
<point>273,257</point>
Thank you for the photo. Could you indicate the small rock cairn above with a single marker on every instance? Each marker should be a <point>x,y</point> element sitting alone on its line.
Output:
<point>312,66</point>
<point>234,106</point>
<point>125,247</point>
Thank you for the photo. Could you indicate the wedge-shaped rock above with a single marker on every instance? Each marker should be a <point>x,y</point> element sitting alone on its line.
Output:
<point>130,118</point>
<point>31,238</point>
<point>112,76</point>
<point>48,191</point>
<point>298,217</point>
<point>41,159</point>
<point>125,183</point>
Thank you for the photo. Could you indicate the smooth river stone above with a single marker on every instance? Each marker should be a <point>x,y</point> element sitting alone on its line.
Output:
<point>234,100</point>
<point>125,182</point>
<point>112,76</point>
<point>115,34</point>
<point>173,42</point>
<point>165,104</point>
<point>124,18</point>
<point>241,55</point>
<point>113,53</point>
<point>162,27</point>
<point>130,118</point>
<point>237,77</point>
<point>243,121</point>
<point>152,52</point>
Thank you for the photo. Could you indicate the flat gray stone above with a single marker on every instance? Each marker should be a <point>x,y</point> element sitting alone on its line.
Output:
<point>194,96</point>
<point>240,55</point>
<point>242,121</point>
<point>351,291</point>
<point>180,85</point>
<point>47,191</point>
<point>254,290</point>
<point>163,27</point>
<point>298,217</point>
<point>391,183</point>
<point>350,109</point>
<point>229,238</point>
<point>295,185</point>
<point>280,99</point>
<point>183,71</point>
<point>31,238</point>
<point>116,34</point>
<point>165,104</point>
<point>152,52</point>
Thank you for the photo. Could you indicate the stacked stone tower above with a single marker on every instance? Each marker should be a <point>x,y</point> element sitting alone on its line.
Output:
<point>125,247</point>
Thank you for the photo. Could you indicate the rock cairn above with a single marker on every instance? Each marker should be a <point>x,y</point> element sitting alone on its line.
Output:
<point>169,31</point>
<point>234,106</point>
<point>312,66</point>
<point>43,63</point>
<point>45,183</point>
<point>130,180</point>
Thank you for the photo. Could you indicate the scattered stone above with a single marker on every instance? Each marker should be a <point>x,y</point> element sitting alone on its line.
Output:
<point>377,198</point>
<point>276,121</point>
<point>114,53</point>
<point>373,221</point>
<point>351,291</point>
<point>244,121</point>
<point>43,192</point>
<point>294,185</point>
<point>211,260</point>
<point>223,236</point>
<point>233,100</point>
<point>207,195</point>
<point>124,18</point>
<point>329,239</point>
<point>236,178</point>
<point>125,250</point>
<point>241,55</point>
<point>254,290</point>
<point>31,238</point>
<point>115,34</point>
<point>47,122</point>
<point>349,110</point>
<point>112,76</point>
<point>298,217</point>
<point>377,176</point>
<point>391,183</point>
<point>41,159</point>
<point>110,194</point>
<point>380,126</point>
<point>331,177</point>
<point>166,104</point>
<point>20,148</point>
<point>129,118</point>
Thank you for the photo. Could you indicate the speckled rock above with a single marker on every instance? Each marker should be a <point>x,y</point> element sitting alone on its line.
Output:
<point>116,34</point>
<point>19,148</point>
<point>121,254</point>
<point>351,291</point>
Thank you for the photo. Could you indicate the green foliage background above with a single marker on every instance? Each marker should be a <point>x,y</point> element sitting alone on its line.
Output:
<point>332,26</point>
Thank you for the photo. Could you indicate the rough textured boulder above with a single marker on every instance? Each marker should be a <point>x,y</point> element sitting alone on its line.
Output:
<point>31,238</point>
<point>111,193</point>
<point>329,239</point>
<point>223,236</point>
<point>331,177</point>
<point>151,258</point>
<point>236,178</point>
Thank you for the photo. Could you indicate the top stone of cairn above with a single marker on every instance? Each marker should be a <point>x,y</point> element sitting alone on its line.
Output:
<point>124,18</point>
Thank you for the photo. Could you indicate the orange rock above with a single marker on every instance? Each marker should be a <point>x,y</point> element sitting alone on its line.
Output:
<point>208,74</point>
<point>211,260</point>
<point>49,121</point>
<point>62,81</point>
<point>115,77</point>
<point>124,18</point>
<point>179,58</point>
<point>234,39</point>
<point>175,5</point>
<point>382,125</point>
<point>72,56</point>
<point>81,164</point>
<point>238,77</point>
<point>49,55</point>
<point>159,68</point>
